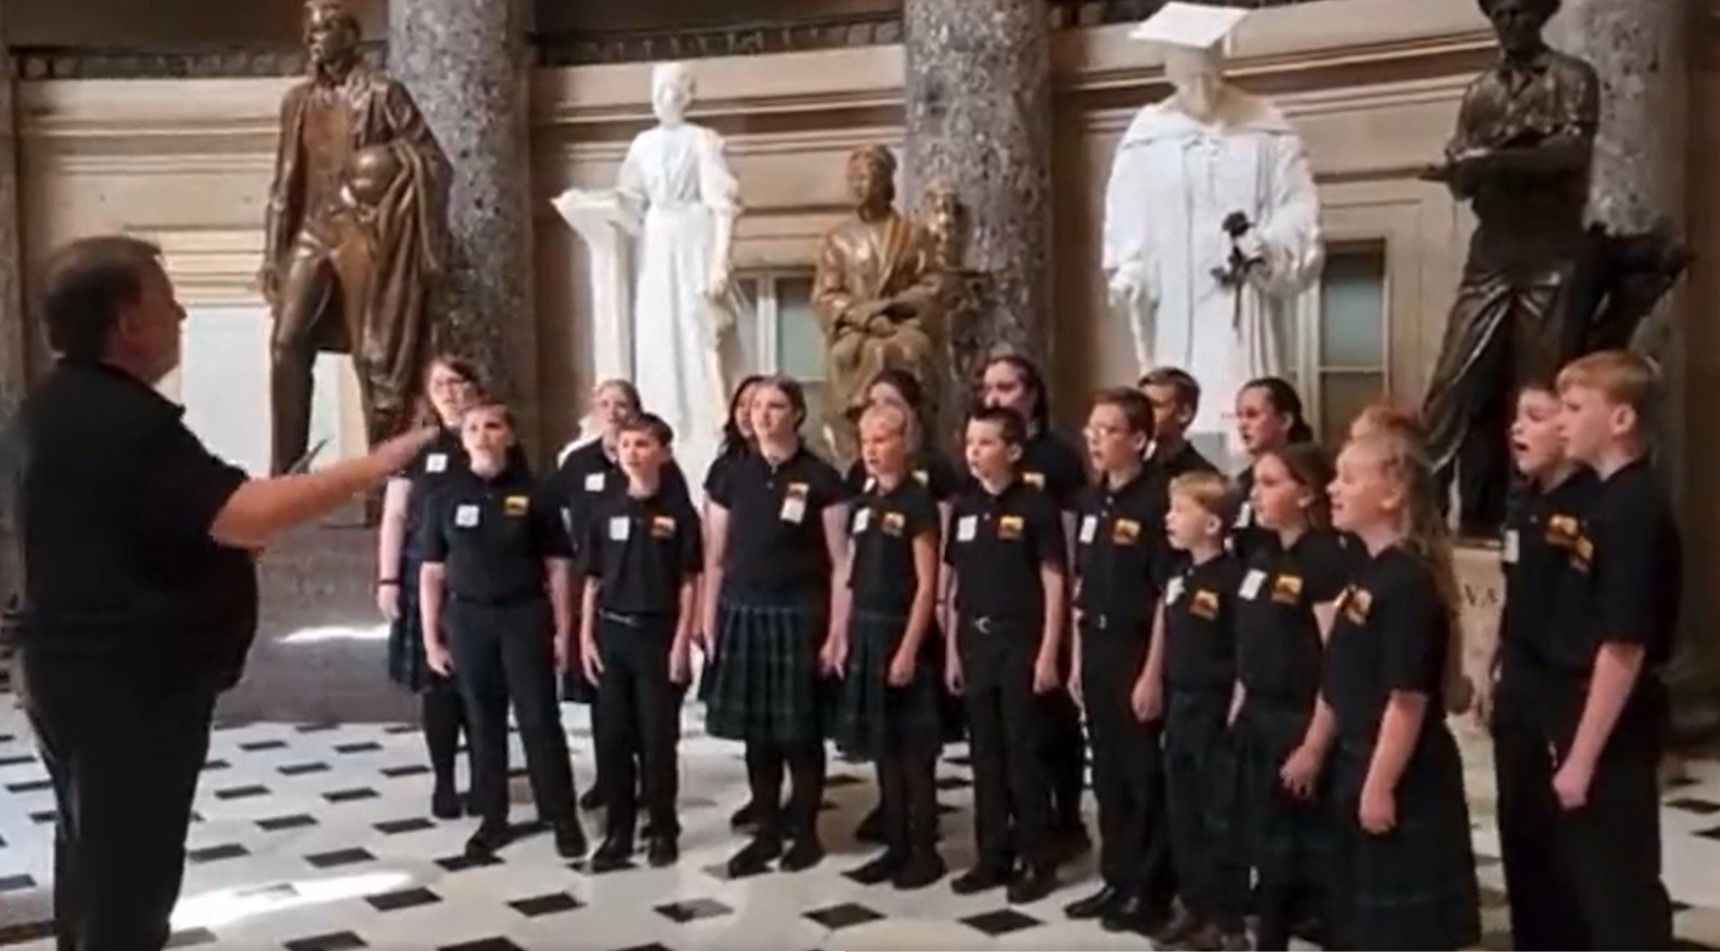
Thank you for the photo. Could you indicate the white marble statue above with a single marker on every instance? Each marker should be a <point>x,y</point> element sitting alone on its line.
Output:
<point>1207,154</point>
<point>663,303</point>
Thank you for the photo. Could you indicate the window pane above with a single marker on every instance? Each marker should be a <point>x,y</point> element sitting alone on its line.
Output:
<point>1342,396</point>
<point>747,325</point>
<point>1352,308</point>
<point>800,341</point>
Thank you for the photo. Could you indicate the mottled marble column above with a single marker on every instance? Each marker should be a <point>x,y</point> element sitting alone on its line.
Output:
<point>14,331</point>
<point>467,64</point>
<point>979,121</point>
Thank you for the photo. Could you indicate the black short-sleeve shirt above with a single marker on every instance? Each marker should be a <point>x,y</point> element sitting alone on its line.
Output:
<point>1246,533</point>
<point>588,474</point>
<point>997,546</point>
<point>441,458</point>
<point>776,538</point>
<point>1200,626</point>
<point>1279,651</point>
<point>1391,635</point>
<point>114,500</point>
<point>930,468</point>
<point>643,550</point>
<point>884,526</point>
<point>1119,546</point>
<point>495,534</point>
<point>1053,465</point>
<point>714,472</point>
<point>1542,532</point>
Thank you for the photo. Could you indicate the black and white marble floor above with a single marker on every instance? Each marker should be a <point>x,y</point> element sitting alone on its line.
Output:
<point>318,837</point>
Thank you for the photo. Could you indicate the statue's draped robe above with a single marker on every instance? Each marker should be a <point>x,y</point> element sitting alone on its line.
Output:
<point>1506,326</point>
<point>872,262</point>
<point>386,325</point>
<point>1173,182</point>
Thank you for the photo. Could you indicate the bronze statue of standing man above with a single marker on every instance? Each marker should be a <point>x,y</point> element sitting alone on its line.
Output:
<point>357,232</point>
<point>1521,157</point>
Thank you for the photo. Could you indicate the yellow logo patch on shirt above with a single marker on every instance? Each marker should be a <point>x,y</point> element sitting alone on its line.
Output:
<point>1563,531</point>
<point>517,505</point>
<point>1356,603</point>
<point>1009,527</point>
<point>1287,589</point>
<point>1036,480</point>
<point>663,527</point>
<point>798,490</point>
<point>1125,532</point>
<point>1583,554</point>
<point>1204,604</point>
<point>894,523</point>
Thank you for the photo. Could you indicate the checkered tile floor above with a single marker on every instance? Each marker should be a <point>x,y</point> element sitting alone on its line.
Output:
<point>319,838</point>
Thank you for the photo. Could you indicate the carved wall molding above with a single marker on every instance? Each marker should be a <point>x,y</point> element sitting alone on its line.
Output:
<point>201,62</point>
<point>210,266</point>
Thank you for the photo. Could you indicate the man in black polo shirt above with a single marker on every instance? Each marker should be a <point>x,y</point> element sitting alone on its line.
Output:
<point>140,597</point>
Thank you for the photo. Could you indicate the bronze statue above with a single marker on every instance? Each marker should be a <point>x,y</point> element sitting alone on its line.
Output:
<point>875,293</point>
<point>357,232</point>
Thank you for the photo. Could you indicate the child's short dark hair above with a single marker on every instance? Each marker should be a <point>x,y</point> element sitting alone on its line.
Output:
<point>1009,423</point>
<point>1180,382</point>
<point>653,426</point>
<point>1137,409</point>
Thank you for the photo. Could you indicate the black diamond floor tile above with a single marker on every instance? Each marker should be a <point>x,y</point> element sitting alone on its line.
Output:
<point>215,854</point>
<point>403,899</point>
<point>242,793</point>
<point>302,770</point>
<point>19,883</point>
<point>25,932</point>
<point>953,783</point>
<point>346,857</point>
<point>838,781</point>
<point>546,905</point>
<point>1695,805</point>
<point>362,747</point>
<point>493,942</point>
<point>1713,834</point>
<point>845,916</point>
<point>279,823</point>
<point>316,728</point>
<point>349,796</point>
<point>17,760</point>
<point>461,863</point>
<point>258,746</point>
<point>43,816</point>
<point>332,940</point>
<point>190,937</point>
<point>1001,922</point>
<point>401,729</point>
<point>693,910</point>
<point>397,827</point>
<point>405,770</point>
<point>30,786</point>
<point>650,947</point>
<point>215,765</point>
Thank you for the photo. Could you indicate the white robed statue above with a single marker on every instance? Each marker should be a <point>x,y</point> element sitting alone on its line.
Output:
<point>663,302</point>
<point>1212,222</point>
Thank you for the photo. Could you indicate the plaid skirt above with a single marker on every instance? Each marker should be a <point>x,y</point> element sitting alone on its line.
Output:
<point>407,664</point>
<point>1287,840</point>
<point>874,718</point>
<point>1415,887</point>
<point>1200,764</point>
<point>765,685</point>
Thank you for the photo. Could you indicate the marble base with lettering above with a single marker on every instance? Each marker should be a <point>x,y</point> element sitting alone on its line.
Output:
<point>1481,586</point>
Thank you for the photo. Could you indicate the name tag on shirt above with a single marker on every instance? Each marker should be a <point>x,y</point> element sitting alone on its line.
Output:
<point>620,528</point>
<point>966,528</point>
<point>1089,529</point>
<point>1251,584</point>
<point>466,516</point>
<point>1036,480</point>
<point>1245,516</point>
<point>436,463</point>
<point>1513,549</point>
<point>794,509</point>
<point>923,476</point>
<point>862,521</point>
<point>1174,590</point>
<point>594,482</point>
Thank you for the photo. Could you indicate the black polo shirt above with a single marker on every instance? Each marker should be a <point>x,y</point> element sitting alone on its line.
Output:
<point>1054,466</point>
<point>429,471</point>
<point>725,459</point>
<point>1541,531</point>
<point>1391,635</point>
<point>643,550</point>
<point>494,535</point>
<point>884,527</point>
<point>114,499</point>
<point>1279,651</point>
<point>1200,626</point>
<point>588,474</point>
<point>997,546</point>
<point>1246,533</point>
<point>1630,559</point>
<point>1184,459</point>
<point>929,467</point>
<point>776,538</point>
<point>1119,552</point>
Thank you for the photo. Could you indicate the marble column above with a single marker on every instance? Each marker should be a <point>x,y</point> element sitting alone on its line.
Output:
<point>978,116</point>
<point>14,329</point>
<point>468,66</point>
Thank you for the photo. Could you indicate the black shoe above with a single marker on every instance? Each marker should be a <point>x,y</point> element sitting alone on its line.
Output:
<point>1096,906</point>
<point>880,868</point>
<point>471,801</point>
<point>489,838</point>
<point>1133,914</point>
<point>1177,931</point>
<point>980,879</point>
<point>647,832</point>
<point>1032,883</point>
<point>921,870</point>
<point>570,839</point>
<point>871,828</point>
<point>804,853</point>
<point>663,851</point>
<point>755,857</point>
<point>614,854</point>
<point>445,803</point>
<point>591,799</point>
<point>745,818</point>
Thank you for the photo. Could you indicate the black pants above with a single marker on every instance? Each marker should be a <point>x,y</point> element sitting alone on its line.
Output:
<point>502,654</point>
<point>637,721</point>
<point>444,717</point>
<point>1064,751</point>
<point>124,751</point>
<point>907,789</point>
<point>804,763</point>
<point>1535,874</point>
<point>1005,721</point>
<point>1611,845</point>
<point>1128,768</point>
<point>1213,884</point>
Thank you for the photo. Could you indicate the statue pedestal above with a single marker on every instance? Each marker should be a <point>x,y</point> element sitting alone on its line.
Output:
<point>322,647</point>
<point>1481,584</point>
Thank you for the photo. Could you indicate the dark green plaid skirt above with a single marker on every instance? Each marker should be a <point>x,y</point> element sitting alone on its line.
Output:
<point>874,718</point>
<point>1200,803</point>
<point>1287,840</point>
<point>1415,887</point>
<point>765,679</point>
<point>408,666</point>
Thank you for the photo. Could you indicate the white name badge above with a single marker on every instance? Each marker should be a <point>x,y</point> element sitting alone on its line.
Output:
<point>466,516</point>
<point>1245,516</point>
<point>966,528</point>
<point>436,463</point>
<point>620,528</point>
<point>1174,590</point>
<point>594,482</point>
<point>1251,584</point>
<point>1512,552</point>
<point>794,509</point>
<point>862,521</point>
<point>1089,529</point>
